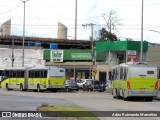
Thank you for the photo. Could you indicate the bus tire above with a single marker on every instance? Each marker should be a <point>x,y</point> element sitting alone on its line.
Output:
<point>151,99</point>
<point>124,99</point>
<point>21,87</point>
<point>113,94</point>
<point>38,88</point>
<point>117,96</point>
<point>7,88</point>
<point>55,90</point>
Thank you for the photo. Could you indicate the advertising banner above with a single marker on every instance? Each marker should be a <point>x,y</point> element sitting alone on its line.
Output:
<point>56,55</point>
<point>131,55</point>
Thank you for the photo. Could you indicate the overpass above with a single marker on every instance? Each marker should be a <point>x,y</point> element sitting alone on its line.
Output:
<point>45,42</point>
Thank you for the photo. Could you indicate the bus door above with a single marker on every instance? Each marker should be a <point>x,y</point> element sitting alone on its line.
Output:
<point>19,77</point>
<point>26,77</point>
<point>31,78</point>
<point>15,77</point>
<point>1,74</point>
<point>12,77</point>
<point>42,78</point>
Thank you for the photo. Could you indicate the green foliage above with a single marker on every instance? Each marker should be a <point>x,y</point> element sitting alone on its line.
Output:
<point>104,35</point>
<point>68,112</point>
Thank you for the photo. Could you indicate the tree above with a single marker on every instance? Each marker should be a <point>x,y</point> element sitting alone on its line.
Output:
<point>104,35</point>
<point>111,23</point>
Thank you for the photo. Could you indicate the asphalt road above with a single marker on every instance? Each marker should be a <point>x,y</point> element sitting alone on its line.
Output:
<point>93,101</point>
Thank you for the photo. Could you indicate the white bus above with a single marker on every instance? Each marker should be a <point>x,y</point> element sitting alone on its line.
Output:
<point>134,80</point>
<point>33,78</point>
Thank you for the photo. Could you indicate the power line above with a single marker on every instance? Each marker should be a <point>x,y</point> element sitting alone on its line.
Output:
<point>10,10</point>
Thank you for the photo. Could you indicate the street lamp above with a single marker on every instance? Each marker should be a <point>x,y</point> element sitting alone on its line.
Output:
<point>141,54</point>
<point>75,34</point>
<point>154,31</point>
<point>24,1</point>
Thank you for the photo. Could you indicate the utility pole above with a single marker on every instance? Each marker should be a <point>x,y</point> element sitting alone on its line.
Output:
<point>12,59</point>
<point>24,2</point>
<point>75,34</point>
<point>141,54</point>
<point>93,51</point>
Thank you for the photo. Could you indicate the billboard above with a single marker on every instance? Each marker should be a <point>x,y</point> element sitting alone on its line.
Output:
<point>131,55</point>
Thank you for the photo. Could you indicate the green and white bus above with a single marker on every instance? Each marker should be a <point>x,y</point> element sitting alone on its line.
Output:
<point>33,78</point>
<point>134,80</point>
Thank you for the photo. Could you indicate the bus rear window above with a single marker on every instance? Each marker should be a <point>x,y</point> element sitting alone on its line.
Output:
<point>150,72</point>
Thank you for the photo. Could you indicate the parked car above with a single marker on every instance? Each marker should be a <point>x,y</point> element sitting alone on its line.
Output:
<point>82,82</point>
<point>103,87</point>
<point>71,85</point>
<point>92,85</point>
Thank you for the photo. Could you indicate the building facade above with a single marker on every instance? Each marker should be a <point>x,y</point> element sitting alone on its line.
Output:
<point>153,55</point>
<point>79,63</point>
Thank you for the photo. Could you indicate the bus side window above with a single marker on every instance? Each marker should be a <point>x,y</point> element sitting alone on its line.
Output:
<point>36,74</point>
<point>113,74</point>
<point>45,74</point>
<point>22,74</point>
<point>121,73</point>
<point>14,74</point>
<point>110,75</point>
<point>1,72</point>
<point>18,74</point>
<point>116,73</point>
<point>158,73</point>
<point>39,74</point>
<point>125,73</point>
<point>31,74</point>
<point>42,74</point>
<point>10,74</point>
<point>6,73</point>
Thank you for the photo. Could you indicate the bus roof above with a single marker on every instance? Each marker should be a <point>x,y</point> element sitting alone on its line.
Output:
<point>14,68</point>
<point>133,64</point>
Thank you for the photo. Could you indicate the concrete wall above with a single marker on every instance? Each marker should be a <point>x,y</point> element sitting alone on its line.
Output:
<point>153,55</point>
<point>6,28</point>
<point>62,31</point>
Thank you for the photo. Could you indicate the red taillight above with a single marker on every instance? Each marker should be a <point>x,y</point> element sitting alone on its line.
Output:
<point>128,85</point>
<point>156,85</point>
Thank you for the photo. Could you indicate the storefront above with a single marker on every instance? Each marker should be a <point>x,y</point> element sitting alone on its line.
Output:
<point>77,62</point>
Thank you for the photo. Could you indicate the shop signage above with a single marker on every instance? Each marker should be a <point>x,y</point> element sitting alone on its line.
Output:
<point>56,55</point>
<point>132,55</point>
<point>81,56</point>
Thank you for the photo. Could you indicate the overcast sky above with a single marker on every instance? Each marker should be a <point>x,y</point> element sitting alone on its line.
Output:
<point>42,17</point>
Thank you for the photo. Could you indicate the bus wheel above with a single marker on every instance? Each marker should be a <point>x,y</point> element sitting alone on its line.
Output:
<point>124,99</point>
<point>151,99</point>
<point>7,88</point>
<point>113,93</point>
<point>55,90</point>
<point>21,87</point>
<point>117,96</point>
<point>38,88</point>
<point>66,90</point>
